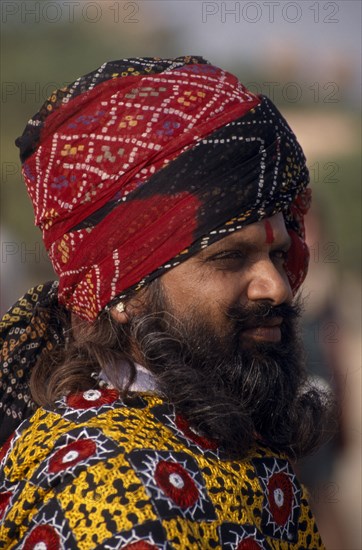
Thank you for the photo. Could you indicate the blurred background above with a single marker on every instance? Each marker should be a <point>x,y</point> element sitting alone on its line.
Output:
<point>306,56</point>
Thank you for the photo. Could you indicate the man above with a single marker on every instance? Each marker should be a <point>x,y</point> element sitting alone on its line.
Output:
<point>165,370</point>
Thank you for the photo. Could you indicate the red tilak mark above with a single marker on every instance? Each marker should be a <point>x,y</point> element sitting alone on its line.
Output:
<point>269,235</point>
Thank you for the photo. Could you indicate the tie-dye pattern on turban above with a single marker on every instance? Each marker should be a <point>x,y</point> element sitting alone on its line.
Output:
<point>138,165</point>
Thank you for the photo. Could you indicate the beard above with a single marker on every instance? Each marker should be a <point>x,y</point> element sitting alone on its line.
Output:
<point>233,391</point>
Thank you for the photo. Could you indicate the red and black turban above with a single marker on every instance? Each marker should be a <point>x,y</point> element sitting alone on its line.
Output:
<point>136,166</point>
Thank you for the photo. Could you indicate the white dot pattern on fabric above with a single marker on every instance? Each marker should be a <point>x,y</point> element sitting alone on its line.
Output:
<point>40,546</point>
<point>92,395</point>
<point>278,497</point>
<point>69,457</point>
<point>176,480</point>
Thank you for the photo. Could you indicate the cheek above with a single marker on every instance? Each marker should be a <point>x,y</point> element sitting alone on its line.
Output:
<point>180,288</point>
<point>218,295</point>
<point>210,292</point>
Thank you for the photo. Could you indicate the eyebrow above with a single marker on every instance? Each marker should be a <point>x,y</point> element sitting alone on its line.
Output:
<point>247,246</point>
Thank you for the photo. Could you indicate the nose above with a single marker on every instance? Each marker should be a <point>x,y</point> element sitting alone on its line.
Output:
<point>270,284</point>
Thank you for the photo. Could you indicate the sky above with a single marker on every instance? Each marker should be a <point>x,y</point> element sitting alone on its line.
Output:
<point>318,35</point>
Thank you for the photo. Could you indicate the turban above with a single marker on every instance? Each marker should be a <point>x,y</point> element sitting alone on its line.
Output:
<point>136,166</point>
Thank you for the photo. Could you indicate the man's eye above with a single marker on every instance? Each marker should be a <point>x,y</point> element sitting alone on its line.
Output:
<point>280,255</point>
<point>229,256</point>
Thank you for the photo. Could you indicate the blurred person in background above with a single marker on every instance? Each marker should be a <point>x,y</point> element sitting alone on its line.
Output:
<point>158,391</point>
<point>321,329</point>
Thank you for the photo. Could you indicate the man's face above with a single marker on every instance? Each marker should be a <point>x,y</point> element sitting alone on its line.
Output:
<point>219,335</point>
<point>243,270</point>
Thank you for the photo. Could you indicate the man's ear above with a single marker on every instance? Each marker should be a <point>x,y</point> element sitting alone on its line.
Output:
<point>123,312</point>
<point>119,314</point>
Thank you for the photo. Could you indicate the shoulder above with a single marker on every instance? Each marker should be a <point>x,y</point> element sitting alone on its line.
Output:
<point>29,326</point>
<point>95,470</point>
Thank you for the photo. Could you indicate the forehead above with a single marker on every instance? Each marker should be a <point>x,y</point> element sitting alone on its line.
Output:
<point>267,231</point>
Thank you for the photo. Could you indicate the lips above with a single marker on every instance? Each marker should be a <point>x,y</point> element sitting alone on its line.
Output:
<point>270,331</point>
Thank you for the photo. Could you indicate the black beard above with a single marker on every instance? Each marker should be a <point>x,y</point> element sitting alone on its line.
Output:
<point>229,392</point>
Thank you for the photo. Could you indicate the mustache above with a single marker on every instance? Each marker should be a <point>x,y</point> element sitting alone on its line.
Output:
<point>256,315</point>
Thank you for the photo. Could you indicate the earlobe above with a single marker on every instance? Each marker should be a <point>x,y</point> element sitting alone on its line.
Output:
<point>119,314</point>
<point>124,311</point>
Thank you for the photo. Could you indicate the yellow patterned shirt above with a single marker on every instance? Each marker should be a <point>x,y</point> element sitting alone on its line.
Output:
<point>96,472</point>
